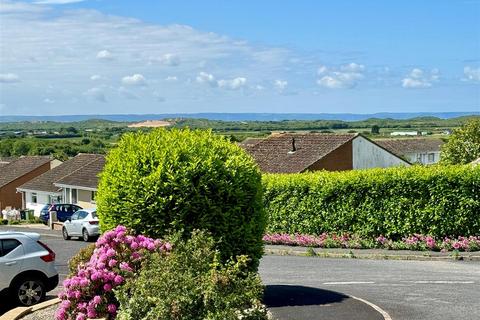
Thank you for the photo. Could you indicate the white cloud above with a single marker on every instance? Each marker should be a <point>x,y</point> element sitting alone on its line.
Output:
<point>280,85</point>
<point>233,84</point>
<point>471,74</point>
<point>96,77</point>
<point>168,59</point>
<point>9,78</point>
<point>48,100</point>
<point>206,78</point>
<point>96,94</point>
<point>418,79</point>
<point>15,7</point>
<point>57,1</point>
<point>134,80</point>
<point>104,55</point>
<point>345,77</point>
<point>171,79</point>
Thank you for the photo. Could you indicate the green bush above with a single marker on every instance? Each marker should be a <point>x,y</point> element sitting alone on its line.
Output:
<point>394,202</point>
<point>81,258</point>
<point>165,181</point>
<point>190,283</point>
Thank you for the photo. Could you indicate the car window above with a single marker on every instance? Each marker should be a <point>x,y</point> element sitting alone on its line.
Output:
<point>76,208</point>
<point>7,246</point>
<point>67,208</point>
<point>75,215</point>
<point>94,214</point>
<point>82,214</point>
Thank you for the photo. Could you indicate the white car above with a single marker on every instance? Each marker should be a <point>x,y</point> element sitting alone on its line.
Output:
<point>27,267</point>
<point>83,223</point>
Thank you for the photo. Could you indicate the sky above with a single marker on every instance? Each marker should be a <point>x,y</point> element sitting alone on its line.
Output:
<point>305,56</point>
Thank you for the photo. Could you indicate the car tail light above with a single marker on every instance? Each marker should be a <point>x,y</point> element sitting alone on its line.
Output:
<point>93,222</point>
<point>48,257</point>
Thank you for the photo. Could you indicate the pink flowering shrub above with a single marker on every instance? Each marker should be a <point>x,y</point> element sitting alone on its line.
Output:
<point>117,257</point>
<point>414,242</point>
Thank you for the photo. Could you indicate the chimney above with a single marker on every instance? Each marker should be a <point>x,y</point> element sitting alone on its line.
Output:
<point>294,148</point>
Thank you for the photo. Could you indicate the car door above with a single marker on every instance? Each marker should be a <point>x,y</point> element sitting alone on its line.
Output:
<point>81,219</point>
<point>70,225</point>
<point>11,251</point>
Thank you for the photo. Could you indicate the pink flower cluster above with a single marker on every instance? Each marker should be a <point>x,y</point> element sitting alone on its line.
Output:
<point>117,256</point>
<point>414,242</point>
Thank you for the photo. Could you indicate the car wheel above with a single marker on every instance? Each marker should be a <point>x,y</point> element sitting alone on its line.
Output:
<point>85,235</point>
<point>29,291</point>
<point>65,234</point>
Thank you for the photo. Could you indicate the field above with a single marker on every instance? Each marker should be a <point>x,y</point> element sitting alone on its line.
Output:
<point>66,139</point>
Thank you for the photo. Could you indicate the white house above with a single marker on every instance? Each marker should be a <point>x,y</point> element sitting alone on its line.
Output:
<point>300,152</point>
<point>415,150</point>
<point>43,189</point>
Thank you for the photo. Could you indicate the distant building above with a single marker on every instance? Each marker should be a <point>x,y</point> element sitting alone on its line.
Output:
<point>293,153</point>
<point>16,172</point>
<point>415,150</point>
<point>404,133</point>
<point>74,181</point>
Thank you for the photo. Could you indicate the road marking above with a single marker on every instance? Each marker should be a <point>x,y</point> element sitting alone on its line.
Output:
<point>349,282</point>
<point>442,282</point>
<point>384,313</point>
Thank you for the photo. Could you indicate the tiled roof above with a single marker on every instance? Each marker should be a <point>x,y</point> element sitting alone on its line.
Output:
<point>86,176</point>
<point>45,182</point>
<point>402,147</point>
<point>274,154</point>
<point>21,167</point>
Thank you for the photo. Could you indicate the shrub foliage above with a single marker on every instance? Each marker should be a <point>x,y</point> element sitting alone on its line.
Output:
<point>171,180</point>
<point>464,144</point>
<point>395,202</point>
<point>191,283</point>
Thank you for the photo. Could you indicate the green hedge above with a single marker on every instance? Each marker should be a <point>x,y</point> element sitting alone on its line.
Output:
<point>180,180</point>
<point>395,202</point>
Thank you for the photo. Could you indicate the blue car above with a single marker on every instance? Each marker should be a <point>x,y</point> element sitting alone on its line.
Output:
<point>64,211</point>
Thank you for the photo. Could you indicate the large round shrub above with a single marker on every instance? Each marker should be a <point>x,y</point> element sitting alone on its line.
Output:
<point>179,180</point>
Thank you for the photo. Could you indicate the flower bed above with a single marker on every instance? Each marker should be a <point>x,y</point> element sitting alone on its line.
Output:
<point>117,257</point>
<point>414,242</point>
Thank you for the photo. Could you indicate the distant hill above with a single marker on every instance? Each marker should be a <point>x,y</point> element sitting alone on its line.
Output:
<point>238,116</point>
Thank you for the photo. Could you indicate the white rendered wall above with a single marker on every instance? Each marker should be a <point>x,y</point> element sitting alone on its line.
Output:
<point>42,200</point>
<point>368,155</point>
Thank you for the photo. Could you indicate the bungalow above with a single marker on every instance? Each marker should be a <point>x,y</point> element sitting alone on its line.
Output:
<point>43,190</point>
<point>295,152</point>
<point>415,150</point>
<point>14,173</point>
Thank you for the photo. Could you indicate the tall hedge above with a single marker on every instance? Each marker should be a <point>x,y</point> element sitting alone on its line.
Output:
<point>437,200</point>
<point>180,180</point>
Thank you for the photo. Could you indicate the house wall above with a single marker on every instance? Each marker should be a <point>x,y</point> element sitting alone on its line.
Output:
<point>366,154</point>
<point>338,160</point>
<point>85,199</point>
<point>9,197</point>
<point>43,198</point>
<point>423,157</point>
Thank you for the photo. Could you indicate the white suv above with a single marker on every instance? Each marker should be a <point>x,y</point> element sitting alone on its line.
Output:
<point>27,269</point>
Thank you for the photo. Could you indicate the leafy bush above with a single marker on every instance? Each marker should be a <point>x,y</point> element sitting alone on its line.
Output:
<point>190,283</point>
<point>464,144</point>
<point>117,257</point>
<point>81,258</point>
<point>165,181</point>
<point>395,202</point>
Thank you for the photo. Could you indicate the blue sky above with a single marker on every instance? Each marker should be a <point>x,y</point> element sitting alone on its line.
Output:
<point>113,56</point>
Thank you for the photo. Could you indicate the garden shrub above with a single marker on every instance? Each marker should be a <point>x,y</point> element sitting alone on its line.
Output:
<point>81,258</point>
<point>396,202</point>
<point>117,257</point>
<point>190,283</point>
<point>170,180</point>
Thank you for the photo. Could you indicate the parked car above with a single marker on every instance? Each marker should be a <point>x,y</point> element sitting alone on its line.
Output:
<point>83,223</point>
<point>64,211</point>
<point>27,267</point>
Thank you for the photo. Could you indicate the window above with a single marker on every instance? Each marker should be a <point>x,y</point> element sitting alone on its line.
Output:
<point>82,214</point>
<point>75,215</point>
<point>34,198</point>
<point>55,199</point>
<point>7,246</point>
<point>431,157</point>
